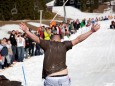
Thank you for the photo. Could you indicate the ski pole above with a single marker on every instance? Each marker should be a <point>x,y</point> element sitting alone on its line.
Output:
<point>24,75</point>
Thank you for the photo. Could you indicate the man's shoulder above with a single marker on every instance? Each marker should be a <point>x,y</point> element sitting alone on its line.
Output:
<point>67,41</point>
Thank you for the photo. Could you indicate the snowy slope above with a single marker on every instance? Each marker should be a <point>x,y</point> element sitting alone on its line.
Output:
<point>50,3</point>
<point>37,24</point>
<point>74,13</point>
<point>4,30</point>
<point>90,63</point>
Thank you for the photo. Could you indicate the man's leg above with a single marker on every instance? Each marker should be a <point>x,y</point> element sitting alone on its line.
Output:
<point>8,60</point>
<point>22,54</point>
<point>19,54</point>
<point>26,52</point>
<point>3,60</point>
<point>47,82</point>
<point>11,59</point>
<point>32,50</point>
<point>65,82</point>
<point>14,52</point>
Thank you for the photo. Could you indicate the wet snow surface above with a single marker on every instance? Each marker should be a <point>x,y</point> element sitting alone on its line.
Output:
<point>90,63</point>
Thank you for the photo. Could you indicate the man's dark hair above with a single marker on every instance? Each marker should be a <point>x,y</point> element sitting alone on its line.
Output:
<point>5,38</point>
<point>56,35</point>
<point>13,30</point>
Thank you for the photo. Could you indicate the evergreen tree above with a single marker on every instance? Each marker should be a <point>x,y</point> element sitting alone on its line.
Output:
<point>26,9</point>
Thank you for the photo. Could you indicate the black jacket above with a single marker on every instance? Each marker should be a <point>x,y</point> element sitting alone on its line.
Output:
<point>13,40</point>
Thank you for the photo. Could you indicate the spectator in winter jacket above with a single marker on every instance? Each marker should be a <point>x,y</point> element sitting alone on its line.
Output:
<point>47,34</point>
<point>112,26</point>
<point>62,28</point>
<point>96,19</point>
<point>0,46</point>
<point>84,21</point>
<point>41,32</point>
<point>88,23</point>
<point>10,52</point>
<point>105,18</point>
<point>20,47</point>
<point>4,54</point>
<point>93,21</point>
<point>37,46</point>
<point>82,24</point>
<point>78,24</point>
<point>13,43</point>
<point>27,44</point>
<point>102,18</point>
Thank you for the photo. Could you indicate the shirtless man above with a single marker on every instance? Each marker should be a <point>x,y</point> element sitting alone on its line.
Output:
<point>55,71</point>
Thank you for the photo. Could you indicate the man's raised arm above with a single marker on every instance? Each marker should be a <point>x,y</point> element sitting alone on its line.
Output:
<point>86,35</point>
<point>26,30</point>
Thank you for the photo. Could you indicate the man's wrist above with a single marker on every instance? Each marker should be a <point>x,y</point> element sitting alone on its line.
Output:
<point>93,30</point>
<point>26,30</point>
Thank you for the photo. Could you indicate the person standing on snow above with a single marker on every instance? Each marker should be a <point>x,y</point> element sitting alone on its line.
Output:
<point>55,70</point>
<point>20,47</point>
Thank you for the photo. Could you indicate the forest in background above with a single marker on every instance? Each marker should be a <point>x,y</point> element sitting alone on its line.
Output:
<point>23,9</point>
<point>29,9</point>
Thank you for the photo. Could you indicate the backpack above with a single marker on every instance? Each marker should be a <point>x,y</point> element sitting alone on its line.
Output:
<point>4,51</point>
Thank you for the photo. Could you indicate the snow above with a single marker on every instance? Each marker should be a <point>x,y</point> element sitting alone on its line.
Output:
<point>94,62</point>
<point>9,27</point>
<point>50,3</point>
<point>74,13</point>
<point>4,30</point>
<point>90,63</point>
<point>37,24</point>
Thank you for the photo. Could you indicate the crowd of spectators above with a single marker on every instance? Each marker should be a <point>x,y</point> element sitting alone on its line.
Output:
<point>19,46</point>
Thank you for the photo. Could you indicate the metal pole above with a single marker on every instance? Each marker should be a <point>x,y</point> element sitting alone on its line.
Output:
<point>65,19</point>
<point>24,75</point>
<point>41,17</point>
<point>57,12</point>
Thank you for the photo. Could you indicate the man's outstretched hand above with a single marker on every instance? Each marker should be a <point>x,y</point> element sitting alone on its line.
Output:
<point>24,27</point>
<point>95,28</point>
